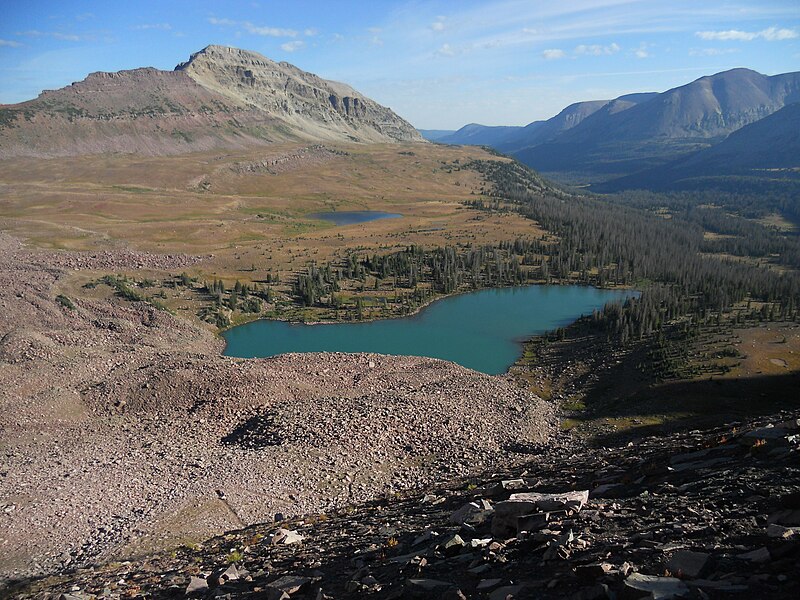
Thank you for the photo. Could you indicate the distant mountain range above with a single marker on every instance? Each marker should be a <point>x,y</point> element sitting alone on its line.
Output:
<point>768,149</point>
<point>645,133</point>
<point>221,97</point>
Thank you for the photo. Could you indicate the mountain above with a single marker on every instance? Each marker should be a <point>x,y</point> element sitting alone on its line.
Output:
<point>434,135</point>
<point>475,134</point>
<point>511,139</point>
<point>768,149</point>
<point>623,139</point>
<point>221,97</point>
<point>540,132</point>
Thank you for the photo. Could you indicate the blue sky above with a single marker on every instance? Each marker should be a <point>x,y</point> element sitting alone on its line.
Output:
<point>439,64</point>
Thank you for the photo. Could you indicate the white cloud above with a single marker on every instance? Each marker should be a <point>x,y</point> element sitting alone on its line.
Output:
<point>257,29</point>
<point>310,32</point>
<point>10,43</point>
<point>292,46</point>
<point>268,31</point>
<point>224,22</point>
<point>446,50</point>
<point>553,54</point>
<point>641,51</point>
<point>161,26</point>
<point>771,34</point>
<point>68,37</point>
<point>376,41</point>
<point>597,49</point>
<point>711,51</point>
<point>438,24</point>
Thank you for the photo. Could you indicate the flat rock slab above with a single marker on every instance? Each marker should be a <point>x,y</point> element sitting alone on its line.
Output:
<point>428,585</point>
<point>657,588</point>
<point>289,584</point>
<point>285,537</point>
<point>196,584</point>
<point>506,514</point>
<point>552,502</point>
<point>686,563</point>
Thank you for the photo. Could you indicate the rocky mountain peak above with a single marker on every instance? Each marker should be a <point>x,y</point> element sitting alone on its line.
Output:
<point>221,97</point>
<point>326,109</point>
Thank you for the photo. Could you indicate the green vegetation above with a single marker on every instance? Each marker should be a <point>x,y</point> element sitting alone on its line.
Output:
<point>610,241</point>
<point>65,302</point>
<point>128,289</point>
<point>8,117</point>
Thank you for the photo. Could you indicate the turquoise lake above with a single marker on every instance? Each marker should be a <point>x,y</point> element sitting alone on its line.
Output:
<point>482,330</point>
<point>351,217</point>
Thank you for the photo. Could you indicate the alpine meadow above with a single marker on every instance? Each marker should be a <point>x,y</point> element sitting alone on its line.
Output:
<point>484,299</point>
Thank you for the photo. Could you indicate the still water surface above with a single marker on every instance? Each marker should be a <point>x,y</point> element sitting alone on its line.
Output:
<point>481,330</point>
<point>351,217</point>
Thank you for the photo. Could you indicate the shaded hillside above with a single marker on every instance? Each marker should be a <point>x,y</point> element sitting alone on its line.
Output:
<point>678,121</point>
<point>221,97</point>
<point>434,135</point>
<point>509,139</point>
<point>768,149</point>
<point>475,134</point>
<point>570,117</point>
<point>706,514</point>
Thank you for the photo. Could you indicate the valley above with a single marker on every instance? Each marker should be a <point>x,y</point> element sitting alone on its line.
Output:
<point>147,214</point>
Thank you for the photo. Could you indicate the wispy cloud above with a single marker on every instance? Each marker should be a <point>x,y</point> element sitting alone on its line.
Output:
<point>438,24</point>
<point>310,32</point>
<point>711,51</point>
<point>268,31</point>
<point>10,43</point>
<point>771,34</point>
<point>597,49</point>
<point>642,51</point>
<point>446,50</point>
<point>222,22</point>
<point>293,46</point>
<point>146,26</point>
<point>262,30</point>
<point>553,54</point>
<point>68,37</point>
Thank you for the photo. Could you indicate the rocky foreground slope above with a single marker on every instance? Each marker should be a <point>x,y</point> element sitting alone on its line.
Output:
<point>220,98</point>
<point>123,430</point>
<point>708,514</point>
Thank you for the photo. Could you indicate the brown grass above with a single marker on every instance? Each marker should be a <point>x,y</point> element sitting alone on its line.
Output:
<point>248,219</point>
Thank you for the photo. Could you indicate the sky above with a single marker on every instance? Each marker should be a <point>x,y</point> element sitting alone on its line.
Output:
<point>439,64</point>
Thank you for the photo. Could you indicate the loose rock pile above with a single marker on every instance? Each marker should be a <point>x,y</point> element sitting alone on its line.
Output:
<point>711,514</point>
<point>122,429</point>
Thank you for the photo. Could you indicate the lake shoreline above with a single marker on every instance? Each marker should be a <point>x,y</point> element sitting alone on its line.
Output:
<point>491,316</point>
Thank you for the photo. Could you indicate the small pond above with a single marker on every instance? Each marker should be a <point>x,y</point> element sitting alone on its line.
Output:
<point>351,217</point>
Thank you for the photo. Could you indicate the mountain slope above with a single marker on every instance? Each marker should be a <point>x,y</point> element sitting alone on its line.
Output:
<point>221,97</point>
<point>434,135</point>
<point>475,134</point>
<point>539,132</point>
<point>317,107</point>
<point>512,139</point>
<point>663,127</point>
<point>765,149</point>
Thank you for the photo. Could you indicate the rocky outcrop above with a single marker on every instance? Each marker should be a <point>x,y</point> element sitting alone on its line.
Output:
<point>321,109</point>
<point>221,98</point>
<point>708,514</point>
